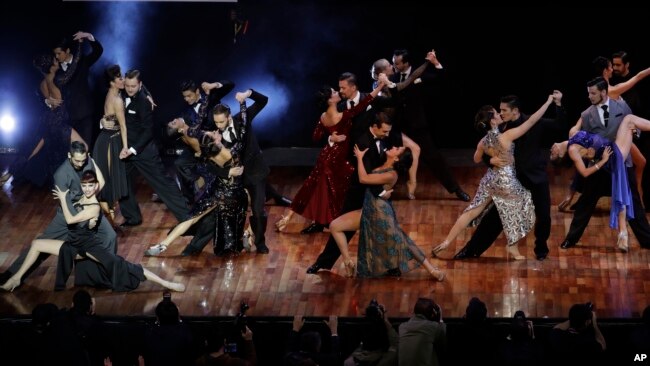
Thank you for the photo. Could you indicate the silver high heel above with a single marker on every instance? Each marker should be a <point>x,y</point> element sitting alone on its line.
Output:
<point>622,242</point>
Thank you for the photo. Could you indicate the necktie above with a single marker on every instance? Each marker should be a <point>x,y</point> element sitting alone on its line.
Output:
<point>402,77</point>
<point>605,114</point>
<point>378,143</point>
<point>231,132</point>
<point>351,104</point>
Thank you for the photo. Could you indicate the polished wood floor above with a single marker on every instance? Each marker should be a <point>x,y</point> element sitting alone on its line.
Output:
<point>277,285</point>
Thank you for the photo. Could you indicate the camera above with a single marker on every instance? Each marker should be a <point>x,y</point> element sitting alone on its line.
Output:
<point>167,296</point>
<point>238,328</point>
<point>230,347</point>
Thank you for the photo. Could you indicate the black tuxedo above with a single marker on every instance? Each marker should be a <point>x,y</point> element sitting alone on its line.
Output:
<point>139,126</point>
<point>411,109</point>
<point>255,174</point>
<point>186,161</point>
<point>355,194</point>
<point>76,92</point>
<point>530,163</point>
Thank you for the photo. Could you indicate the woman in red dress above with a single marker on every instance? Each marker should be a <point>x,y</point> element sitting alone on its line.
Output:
<point>321,196</point>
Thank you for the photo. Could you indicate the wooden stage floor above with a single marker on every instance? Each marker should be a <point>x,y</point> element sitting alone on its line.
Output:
<point>277,285</point>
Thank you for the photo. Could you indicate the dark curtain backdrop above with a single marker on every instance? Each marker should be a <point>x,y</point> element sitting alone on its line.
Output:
<point>292,48</point>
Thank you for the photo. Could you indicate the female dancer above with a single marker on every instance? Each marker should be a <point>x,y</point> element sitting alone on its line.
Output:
<point>224,188</point>
<point>500,185</point>
<point>108,145</point>
<point>321,196</point>
<point>586,145</point>
<point>82,243</point>
<point>383,245</point>
<point>54,132</point>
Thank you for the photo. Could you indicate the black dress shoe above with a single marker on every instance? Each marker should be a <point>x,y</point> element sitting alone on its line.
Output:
<point>567,244</point>
<point>541,256</point>
<point>314,268</point>
<point>462,195</point>
<point>394,272</point>
<point>282,201</point>
<point>465,253</point>
<point>313,228</point>
<point>189,251</point>
<point>129,223</point>
<point>262,249</point>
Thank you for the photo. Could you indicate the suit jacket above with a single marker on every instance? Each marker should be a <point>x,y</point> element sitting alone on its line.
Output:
<point>75,92</point>
<point>421,341</point>
<point>530,158</point>
<point>359,122</point>
<point>202,118</point>
<point>591,120</point>
<point>139,121</point>
<point>412,103</point>
<point>371,160</point>
<point>255,169</point>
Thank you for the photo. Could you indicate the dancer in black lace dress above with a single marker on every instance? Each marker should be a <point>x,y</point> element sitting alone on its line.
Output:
<point>53,133</point>
<point>83,243</point>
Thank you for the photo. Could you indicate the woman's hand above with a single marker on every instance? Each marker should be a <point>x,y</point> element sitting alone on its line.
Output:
<point>359,153</point>
<point>606,153</point>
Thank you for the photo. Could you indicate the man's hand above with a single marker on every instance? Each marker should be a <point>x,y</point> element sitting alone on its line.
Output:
<point>498,162</point>
<point>247,334</point>
<point>236,171</point>
<point>333,324</point>
<point>80,36</point>
<point>241,96</point>
<point>335,137</point>
<point>298,322</point>
<point>387,195</point>
<point>125,153</point>
<point>107,123</point>
<point>557,97</point>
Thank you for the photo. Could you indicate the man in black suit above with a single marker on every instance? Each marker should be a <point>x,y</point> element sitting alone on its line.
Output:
<point>373,139</point>
<point>194,116</point>
<point>415,122</point>
<point>530,163</point>
<point>142,154</point>
<point>67,177</point>
<point>75,91</point>
<point>255,169</point>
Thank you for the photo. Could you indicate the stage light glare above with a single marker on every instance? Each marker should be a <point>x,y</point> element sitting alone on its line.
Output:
<point>7,123</point>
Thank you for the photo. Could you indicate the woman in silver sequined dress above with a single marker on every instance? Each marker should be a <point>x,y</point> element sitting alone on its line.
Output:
<point>499,185</point>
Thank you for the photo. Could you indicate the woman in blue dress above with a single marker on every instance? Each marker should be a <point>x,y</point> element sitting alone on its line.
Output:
<point>592,147</point>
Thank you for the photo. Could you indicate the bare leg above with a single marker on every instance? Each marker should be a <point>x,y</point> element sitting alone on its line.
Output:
<point>179,230</point>
<point>74,136</point>
<point>175,286</point>
<point>621,243</point>
<point>346,222</point>
<point>38,148</point>
<point>49,246</point>
<point>460,225</point>
<point>411,184</point>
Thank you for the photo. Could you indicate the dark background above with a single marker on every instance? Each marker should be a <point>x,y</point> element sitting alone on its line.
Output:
<point>292,48</point>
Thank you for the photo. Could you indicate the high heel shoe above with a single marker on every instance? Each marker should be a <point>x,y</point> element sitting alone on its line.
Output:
<point>410,186</point>
<point>281,224</point>
<point>439,248</point>
<point>622,242</point>
<point>565,205</point>
<point>155,250</point>
<point>11,284</point>
<point>350,268</point>
<point>4,178</point>
<point>513,251</point>
<point>438,274</point>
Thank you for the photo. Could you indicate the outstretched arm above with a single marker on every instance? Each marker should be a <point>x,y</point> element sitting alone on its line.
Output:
<point>515,133</point>
<point>615,91</point>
